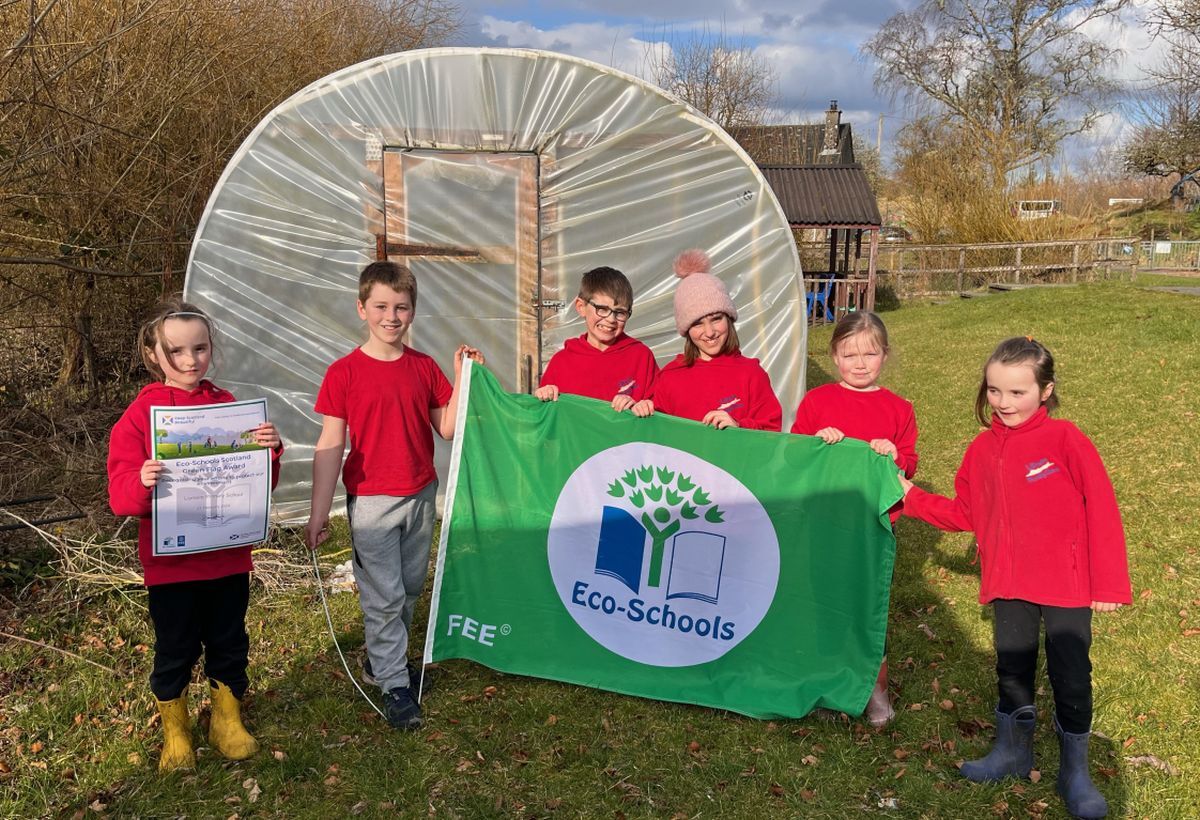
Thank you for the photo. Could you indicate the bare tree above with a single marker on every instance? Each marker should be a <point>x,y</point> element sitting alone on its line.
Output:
<point>1167,141</point>
<point>116,121</point>
<point>1013,78</point>
<point>720,77</point>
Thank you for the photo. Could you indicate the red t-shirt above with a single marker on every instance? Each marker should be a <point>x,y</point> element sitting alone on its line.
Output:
<point>386,407</point>
<point>627,366</point>
<point>863,415</point>
<point>128,448</point>
<point>731,382</point>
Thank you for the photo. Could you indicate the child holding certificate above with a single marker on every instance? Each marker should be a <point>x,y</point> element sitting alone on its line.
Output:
<point>197,602</point>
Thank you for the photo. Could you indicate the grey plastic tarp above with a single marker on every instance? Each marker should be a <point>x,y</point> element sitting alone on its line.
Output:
<point>499,176</point>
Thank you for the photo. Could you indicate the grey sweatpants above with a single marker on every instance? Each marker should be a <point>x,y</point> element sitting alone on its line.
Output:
<point>391,538</point>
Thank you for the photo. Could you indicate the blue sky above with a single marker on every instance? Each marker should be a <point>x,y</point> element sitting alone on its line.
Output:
<point>813,45</point>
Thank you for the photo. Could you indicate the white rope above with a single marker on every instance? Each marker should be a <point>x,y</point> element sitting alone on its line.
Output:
<point>333,634</point>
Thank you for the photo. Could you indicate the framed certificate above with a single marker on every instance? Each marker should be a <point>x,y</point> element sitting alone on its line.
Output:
<point>214,491</point>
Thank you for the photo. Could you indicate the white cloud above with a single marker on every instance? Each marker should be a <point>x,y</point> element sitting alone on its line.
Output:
<point>610,45</point>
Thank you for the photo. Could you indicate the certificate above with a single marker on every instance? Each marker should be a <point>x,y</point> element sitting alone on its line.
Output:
<point>214,491</point>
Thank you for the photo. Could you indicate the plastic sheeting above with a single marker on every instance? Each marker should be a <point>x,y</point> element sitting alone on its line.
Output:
<point>499,176</point>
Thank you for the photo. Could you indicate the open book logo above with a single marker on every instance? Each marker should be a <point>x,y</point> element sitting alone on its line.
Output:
<point>659,502</point>
<point>661,556</point>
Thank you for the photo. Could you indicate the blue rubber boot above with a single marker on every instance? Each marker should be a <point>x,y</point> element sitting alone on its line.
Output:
<point>1012,755</point>
<point>1075,784</point>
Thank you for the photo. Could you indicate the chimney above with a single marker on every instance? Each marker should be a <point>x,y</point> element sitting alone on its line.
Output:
<point>833,119</point>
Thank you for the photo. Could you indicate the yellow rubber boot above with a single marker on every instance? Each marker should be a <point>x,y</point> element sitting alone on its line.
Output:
<point>177,735</point>
<point>225,731</point>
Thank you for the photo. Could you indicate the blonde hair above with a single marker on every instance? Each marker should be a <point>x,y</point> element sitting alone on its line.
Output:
<point>861,321</point>
<point>150,335</point>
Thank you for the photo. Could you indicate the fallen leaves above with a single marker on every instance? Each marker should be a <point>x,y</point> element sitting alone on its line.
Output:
<point>1155,763</point>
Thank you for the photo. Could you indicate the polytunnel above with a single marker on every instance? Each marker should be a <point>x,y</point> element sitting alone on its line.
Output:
<point>499,176</point>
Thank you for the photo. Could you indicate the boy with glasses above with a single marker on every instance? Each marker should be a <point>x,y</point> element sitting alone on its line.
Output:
<point>603,363</point>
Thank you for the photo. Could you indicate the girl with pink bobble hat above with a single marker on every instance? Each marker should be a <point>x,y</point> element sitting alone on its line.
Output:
<point>711,381</point>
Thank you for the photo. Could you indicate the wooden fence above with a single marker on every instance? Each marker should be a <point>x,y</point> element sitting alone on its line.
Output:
<point>913,270</point>
<point>919,270</point>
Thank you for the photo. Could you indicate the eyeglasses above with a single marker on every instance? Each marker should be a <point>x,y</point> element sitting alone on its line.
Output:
<point>604,311</point>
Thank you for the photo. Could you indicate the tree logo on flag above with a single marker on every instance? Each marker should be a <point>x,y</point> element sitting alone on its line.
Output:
<point>663,501</point>
<point>662,556</point>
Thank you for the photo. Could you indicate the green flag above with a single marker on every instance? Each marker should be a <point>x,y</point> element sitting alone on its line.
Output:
<point>658,557</point>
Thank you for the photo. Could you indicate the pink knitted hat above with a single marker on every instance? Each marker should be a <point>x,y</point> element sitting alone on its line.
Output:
<point>700,293</point>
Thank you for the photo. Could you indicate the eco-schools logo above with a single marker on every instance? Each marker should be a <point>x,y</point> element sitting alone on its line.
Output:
<point>660,556</point>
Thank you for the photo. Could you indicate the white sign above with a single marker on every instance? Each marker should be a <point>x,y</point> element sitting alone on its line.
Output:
<point>214,491</point>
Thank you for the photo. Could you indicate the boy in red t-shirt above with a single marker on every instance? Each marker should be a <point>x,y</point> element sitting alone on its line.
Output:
<point>603,363</point>
<point>389,398</point>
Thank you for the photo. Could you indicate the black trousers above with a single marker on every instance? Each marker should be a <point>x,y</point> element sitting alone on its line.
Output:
<point>1068,639</point>
<point>194,616</point>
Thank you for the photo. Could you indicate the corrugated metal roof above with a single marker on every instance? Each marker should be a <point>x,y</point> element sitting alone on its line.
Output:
<point>794,144</point>
<point>823,195</point>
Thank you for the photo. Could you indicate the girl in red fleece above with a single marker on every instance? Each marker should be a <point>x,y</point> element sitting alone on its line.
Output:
<point>711,381</point>
<point>197,602</point>
<point>857,407</point>
<point>1051,550</point>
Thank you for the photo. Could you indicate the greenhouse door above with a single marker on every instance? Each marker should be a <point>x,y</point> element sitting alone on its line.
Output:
<point>467,225</point>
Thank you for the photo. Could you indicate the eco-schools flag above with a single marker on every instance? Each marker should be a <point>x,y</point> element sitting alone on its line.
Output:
<point>658,557</point>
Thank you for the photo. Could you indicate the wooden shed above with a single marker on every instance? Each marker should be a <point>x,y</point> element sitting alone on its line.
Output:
<point>827,199</point>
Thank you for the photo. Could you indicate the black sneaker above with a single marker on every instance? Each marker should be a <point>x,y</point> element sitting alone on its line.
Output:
<point>401,710</point>
<point>418,680</point>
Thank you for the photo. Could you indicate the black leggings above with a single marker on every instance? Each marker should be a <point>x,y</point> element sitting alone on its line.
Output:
<point>1068,639</point>
<point>194,616</point>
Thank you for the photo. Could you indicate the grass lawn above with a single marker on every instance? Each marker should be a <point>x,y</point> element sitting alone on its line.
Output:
<point>76,740</point>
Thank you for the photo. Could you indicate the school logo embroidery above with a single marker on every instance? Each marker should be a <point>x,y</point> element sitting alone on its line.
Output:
<point>667,560</point>
<point>729,403</point>
<point>626,387</point>
<point>1037,470</point>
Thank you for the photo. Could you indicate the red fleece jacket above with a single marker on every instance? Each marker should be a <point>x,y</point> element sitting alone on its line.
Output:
<point>731,382</point>
<point>129,446</point>
<point>627,366</point>
<point>1044,513</point>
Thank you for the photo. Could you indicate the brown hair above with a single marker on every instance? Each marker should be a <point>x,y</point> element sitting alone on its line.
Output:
<point>610,282</point>
<point>861,321</point>
<point>151,335</point>
<point>732,344</point>
<point>390,274</point>
<point>1017,351</point>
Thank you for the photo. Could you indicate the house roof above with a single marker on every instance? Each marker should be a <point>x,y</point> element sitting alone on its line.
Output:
<point>824,195</point>
<point>794,144</point>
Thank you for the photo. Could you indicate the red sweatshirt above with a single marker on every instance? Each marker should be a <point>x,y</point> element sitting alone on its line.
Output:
<point>627,366</point>
<point>1044,513</point>
<point>128,448</point>
<point>863,415</point>
<point>731,382</point>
